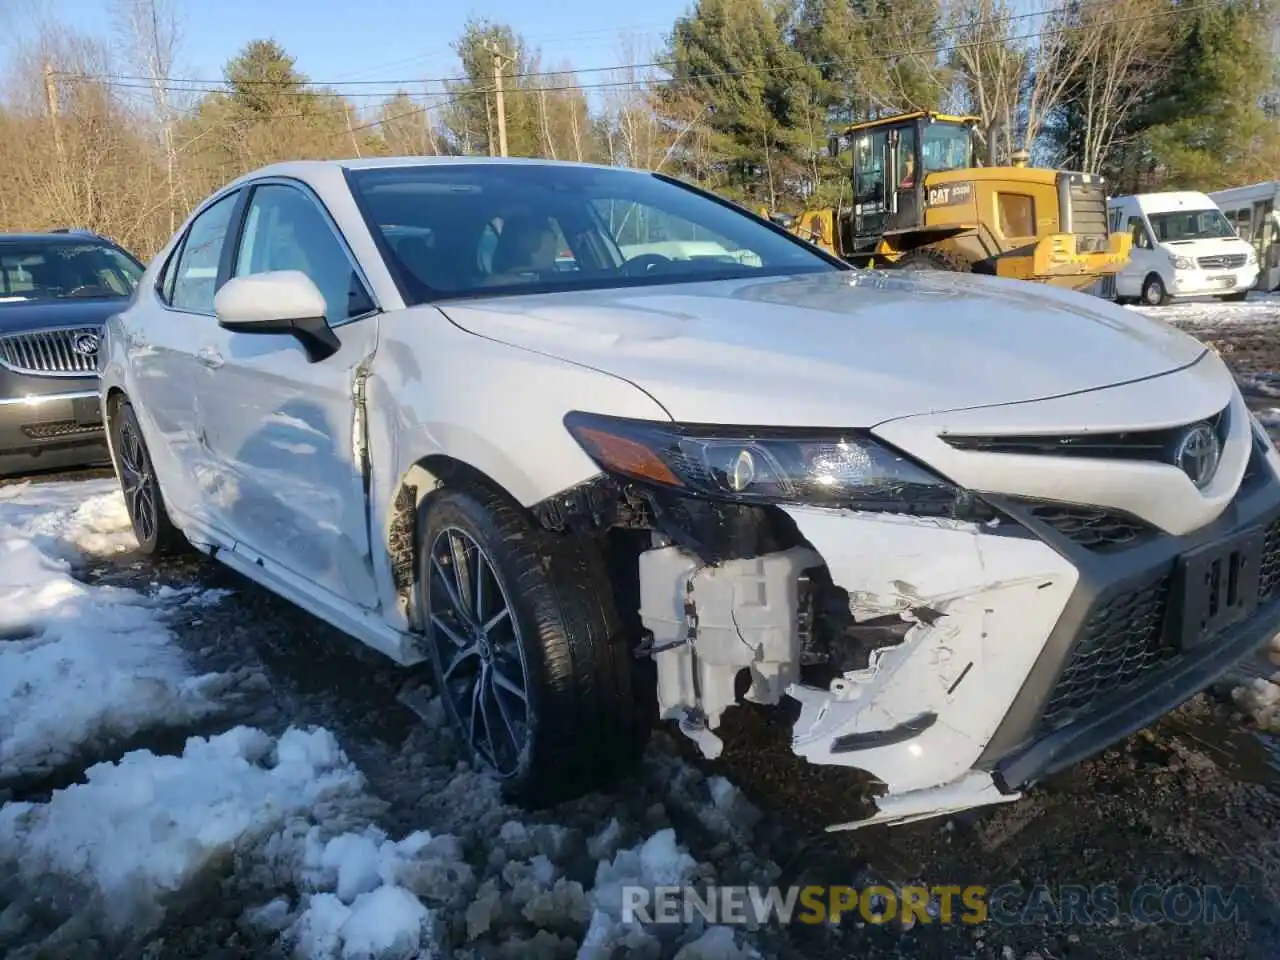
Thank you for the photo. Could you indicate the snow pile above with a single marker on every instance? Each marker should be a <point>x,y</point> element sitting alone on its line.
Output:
<point>146,827</point>
<point>79,664</point>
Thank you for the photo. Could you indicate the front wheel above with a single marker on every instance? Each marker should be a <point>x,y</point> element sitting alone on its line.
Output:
<point>530,658</point>
<point>932,258</point>
<point>152,528</point>
<point>1154,293</point>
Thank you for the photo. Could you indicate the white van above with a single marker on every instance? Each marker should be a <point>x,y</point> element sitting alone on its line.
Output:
<point>1182,247</point>
<point>1255,213</point>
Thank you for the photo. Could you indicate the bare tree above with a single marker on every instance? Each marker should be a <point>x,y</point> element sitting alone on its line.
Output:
<point>150,31</point>
<point>991,66</point>
<point>1131,57</point>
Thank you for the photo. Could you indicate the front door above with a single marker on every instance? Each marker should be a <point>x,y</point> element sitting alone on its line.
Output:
<point>283,429</point>
<point>1142,260</point>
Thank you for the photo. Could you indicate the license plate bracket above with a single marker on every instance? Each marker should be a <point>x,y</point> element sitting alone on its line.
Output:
<point>87,411</point>
<point>1216,586</point>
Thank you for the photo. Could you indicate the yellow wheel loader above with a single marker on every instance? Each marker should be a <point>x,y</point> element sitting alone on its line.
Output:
<point>921,202</point>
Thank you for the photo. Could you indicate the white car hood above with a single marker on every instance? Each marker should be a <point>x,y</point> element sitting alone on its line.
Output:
<point>841,349</point>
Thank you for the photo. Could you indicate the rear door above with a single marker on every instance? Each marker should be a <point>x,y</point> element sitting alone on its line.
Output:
<point>283,429</point>
<point>167,324</point>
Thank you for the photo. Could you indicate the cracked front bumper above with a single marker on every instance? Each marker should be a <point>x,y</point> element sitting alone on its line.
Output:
<point>1049,648</point>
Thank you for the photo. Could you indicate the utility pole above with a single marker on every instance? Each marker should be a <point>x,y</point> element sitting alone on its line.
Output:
<point>51,103</point>
<point>500,60</point>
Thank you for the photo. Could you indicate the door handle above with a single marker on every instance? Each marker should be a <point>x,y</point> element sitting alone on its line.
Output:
<point>210,357</point>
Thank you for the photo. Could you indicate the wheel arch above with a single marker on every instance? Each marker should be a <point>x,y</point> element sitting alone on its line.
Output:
<point>418,482</point>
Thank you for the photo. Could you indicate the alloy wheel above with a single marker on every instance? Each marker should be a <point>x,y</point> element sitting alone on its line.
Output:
<point>479,659</point>
<point>138,482</point>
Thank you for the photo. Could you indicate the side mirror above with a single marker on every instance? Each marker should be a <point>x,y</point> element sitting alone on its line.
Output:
<point>280,301</point>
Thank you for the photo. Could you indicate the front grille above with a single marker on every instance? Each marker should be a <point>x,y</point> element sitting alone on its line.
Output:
<point>1089,215</point>
<point>1121,643</point>
<point>1126,445</point>
<point>1094,528</point>
<point>1125,643</point>
<point>59,428</point>
<point>51,352</point>
<point>1227,261</point>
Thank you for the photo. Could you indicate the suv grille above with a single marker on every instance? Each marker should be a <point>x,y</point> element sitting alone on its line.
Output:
<point>57,353</point>
<point>1229,261</point>
<point>1095,528</point>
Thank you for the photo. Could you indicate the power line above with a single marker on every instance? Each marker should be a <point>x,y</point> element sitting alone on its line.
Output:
<point>706,75</point>
<point>418,81</point>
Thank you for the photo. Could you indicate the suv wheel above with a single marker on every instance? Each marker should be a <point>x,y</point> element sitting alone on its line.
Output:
<point>154,531</point>
<point>530,657</point>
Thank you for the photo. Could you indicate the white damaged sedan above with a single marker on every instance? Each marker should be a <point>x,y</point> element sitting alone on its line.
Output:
<point>601,448</point>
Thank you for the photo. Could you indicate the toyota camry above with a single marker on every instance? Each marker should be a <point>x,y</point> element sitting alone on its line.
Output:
<point>602,450</point>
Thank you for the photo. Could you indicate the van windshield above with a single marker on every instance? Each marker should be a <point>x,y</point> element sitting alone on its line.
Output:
<point>1181,225</point>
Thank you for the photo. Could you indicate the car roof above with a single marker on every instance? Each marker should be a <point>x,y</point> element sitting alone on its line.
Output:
<point>313,171</point>
<point>51,237</point>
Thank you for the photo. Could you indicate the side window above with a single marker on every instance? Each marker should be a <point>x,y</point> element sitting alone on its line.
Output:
<point>195,278</point>
<point>285,230</point>
<point>1141,239</point>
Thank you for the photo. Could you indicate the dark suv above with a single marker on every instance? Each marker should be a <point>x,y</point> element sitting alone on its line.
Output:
<point>56,291</point>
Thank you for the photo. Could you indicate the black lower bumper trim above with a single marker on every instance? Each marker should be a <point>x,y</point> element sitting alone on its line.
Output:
<point>907,730</point>
<point>1139,707</point>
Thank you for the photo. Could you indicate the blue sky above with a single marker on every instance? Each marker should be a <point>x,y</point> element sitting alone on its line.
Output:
<point>376,40</point>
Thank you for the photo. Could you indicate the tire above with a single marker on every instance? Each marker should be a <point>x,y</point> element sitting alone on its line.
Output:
<point>932,258</point>
<point>1237,297</point>
<point>585,716</point>
<point>1154,293</point>
<point>154,531</point>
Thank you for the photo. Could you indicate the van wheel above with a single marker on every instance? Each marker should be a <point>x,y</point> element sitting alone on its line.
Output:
<point>1154,293</point>
<point>530,657</point>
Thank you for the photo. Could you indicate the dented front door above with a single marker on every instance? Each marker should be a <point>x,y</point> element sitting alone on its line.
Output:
<point>282,429</point>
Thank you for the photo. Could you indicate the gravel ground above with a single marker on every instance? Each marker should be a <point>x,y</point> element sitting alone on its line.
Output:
<point>1194,800</point>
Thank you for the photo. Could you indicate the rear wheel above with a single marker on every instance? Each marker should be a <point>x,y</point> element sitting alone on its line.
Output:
<point>530,657</point>
<point>1154,293</point>
<point>154,531</point>
<point>933,258</point>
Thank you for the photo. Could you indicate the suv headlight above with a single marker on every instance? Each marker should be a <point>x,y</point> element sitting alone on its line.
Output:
<point>766,465</point>
<point>1183,263</point>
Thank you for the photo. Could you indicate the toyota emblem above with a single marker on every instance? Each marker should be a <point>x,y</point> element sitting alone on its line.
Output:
<point>1197,454</point>
<point>86,344</point>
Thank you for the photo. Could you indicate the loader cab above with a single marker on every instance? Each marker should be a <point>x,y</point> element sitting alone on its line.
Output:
<point>891,159</point>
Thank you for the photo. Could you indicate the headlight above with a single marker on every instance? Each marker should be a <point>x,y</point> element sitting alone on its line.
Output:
<point>826,468</point>
<point>1183,263</point>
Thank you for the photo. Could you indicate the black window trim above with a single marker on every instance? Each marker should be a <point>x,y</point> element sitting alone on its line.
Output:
<point>231,251</point>
<point>175,256</point>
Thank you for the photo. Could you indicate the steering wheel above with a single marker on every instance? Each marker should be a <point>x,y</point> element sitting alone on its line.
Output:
<point>644,263</point>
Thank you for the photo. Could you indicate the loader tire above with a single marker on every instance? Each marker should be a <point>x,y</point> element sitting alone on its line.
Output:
<point>932,258</point>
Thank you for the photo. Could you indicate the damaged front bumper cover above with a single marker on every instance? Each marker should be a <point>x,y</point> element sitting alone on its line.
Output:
<point>1022,654</point>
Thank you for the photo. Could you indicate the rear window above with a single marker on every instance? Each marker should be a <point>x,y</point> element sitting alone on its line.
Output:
<point>50,270</point>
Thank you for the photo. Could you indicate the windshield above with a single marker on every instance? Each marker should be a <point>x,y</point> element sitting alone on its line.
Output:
<point>55,269</point>
<point>482,229</point>
<point>1190,225</point>
<point>947,146</point>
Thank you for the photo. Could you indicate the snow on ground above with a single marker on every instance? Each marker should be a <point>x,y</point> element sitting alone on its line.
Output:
<point>284,829</point>
<point>1259,308</point>
<point>79,664</point>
